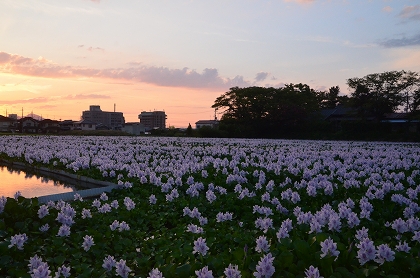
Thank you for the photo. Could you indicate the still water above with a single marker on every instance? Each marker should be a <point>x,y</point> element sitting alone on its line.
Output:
<point>29,184</point>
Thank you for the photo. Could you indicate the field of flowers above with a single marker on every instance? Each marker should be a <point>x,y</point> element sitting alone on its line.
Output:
<point>191,207</point>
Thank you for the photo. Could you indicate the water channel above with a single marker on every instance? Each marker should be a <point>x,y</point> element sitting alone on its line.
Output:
<point>31,184</point>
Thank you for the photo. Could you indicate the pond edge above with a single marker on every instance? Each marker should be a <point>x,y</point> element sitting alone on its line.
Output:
<point>103,186</point>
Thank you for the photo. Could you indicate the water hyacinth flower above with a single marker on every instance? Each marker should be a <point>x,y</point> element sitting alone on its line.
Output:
<point>17,195</point>
<point>114,204</point>
<point>34,262</point>
<point>18,241</point>
<point>122,269</point>
<point>312,272</point>
<point>192,228</point>
<point>329,248</point>
<point>210,196</point>
<point>108,263</point>
<point>105,208</point>
<point>44,228</point>
<point>204,273</point>
<point>403,247</point>
<point>384,253</point>
<point>42,271</point>
<point>265,268</point>
<point>366,252</point>
<point>78,197</point>
<point>200,246</point>
<point>222,217</point>
<point>262,245</point>
<point>115,225</point>
<point>152,199</point>
<point>3,201</point>
<point>123,227</point>
<point>64,271</point>
<point>103,197</point>
<point>43,211</point>
<point>86,213</point>
<point>129,204</point>
<point>96,203</point>
<point>87,242</point>
<point>63,231</point>
<point>155,273</point>
<point>362,234</point>
<point>232,271</point>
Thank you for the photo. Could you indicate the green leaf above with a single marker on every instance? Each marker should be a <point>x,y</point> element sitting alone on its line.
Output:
<point>183,270</point>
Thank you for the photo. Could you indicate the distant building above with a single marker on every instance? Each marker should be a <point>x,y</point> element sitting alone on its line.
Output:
<point>84,125</point>
<point>49,126</point>
<point>209,123</point>
<point>113,120</point>
<point>28,125</point>
<point>67,125</point>
<point>134,128</point>
<point>153,120</point>
<point>7,124</point>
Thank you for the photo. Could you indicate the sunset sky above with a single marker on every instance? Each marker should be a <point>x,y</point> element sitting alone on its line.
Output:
<point>57,57</point>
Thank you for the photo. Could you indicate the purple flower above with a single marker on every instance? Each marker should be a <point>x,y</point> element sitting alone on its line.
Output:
<point>262,245</point>
<point>123,227</point>
<point>200,246</point>
<point>86,213</point>
<point>34,262</point>
<point>152,199</point>
<point>329,247</point>
<point>362,233</point>
<point>87,242</point>
<point>400,226</point>
<point>155,273</point>
<point>96,203</point>
<point>43,211</point>
<point>204,273</point>
<point>366,251</point>
<point>312,272</point>
<point>104,208</point>
<point>42,271</point>
<point>192,228</point>
<point>64,230</point>
<point>129,204</point>
<point>265,268</point>
<point>122,269</point>
<point>44,228</point>
<point>114,204</point>
<point>384,253</point>
<point>17,195</point>
<point>103,197</point>
<point>78,197</point>
<point>18,241</point>
<point>232,271</point>
<point>109,263</point>
<point>63,270</point>
<point>114,225</point>
<point>403,247</point>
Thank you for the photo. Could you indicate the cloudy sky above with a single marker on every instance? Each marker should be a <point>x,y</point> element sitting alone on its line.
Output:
<point>57,57</point>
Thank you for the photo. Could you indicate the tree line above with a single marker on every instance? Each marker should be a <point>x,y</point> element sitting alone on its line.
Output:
<point>296,110</point>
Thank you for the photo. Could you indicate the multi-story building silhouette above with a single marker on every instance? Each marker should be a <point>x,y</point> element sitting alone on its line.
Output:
<point>112,120</point>
<point>153,120</point>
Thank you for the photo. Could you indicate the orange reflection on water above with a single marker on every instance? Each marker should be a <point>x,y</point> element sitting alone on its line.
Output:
<point>29,185</point>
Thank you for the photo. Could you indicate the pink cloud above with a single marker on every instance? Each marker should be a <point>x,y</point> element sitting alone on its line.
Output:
<point>301,1</point>
<point>387,9</point>
<point>29,100</point>
<point>90,96</point>
<point>160,76</point>
<point>410,12</point>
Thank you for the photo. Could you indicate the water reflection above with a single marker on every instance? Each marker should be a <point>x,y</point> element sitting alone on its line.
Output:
<point>30,184</point>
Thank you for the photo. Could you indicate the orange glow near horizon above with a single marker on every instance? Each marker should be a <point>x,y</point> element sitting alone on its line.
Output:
<point>60,99</point>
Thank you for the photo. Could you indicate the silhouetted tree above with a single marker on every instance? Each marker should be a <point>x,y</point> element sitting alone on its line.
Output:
<point>189,131</point>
